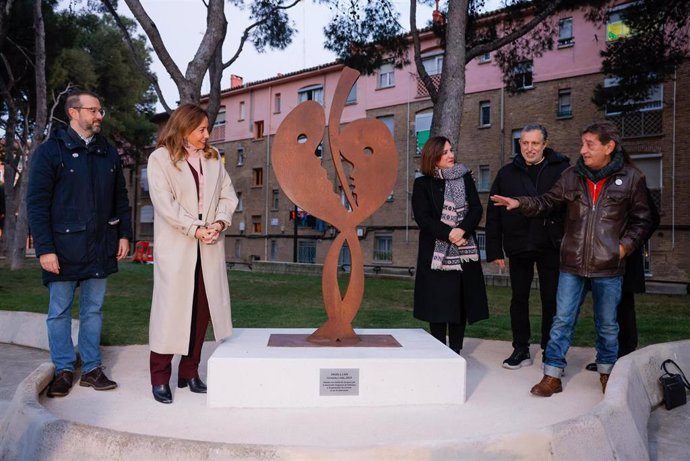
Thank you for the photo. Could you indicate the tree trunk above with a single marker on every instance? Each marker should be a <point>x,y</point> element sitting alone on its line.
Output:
<point>9,177</point>
<point>451,91</point>
<point>17,251</point>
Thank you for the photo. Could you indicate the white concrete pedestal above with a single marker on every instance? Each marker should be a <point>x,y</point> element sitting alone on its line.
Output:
<point>244,372</point>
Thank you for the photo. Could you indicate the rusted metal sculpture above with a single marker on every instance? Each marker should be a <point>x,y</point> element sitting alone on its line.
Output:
<point>367,146</point>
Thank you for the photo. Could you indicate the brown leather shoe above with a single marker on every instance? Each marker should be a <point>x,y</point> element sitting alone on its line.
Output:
<point>547,387</point>
<point>603,379</point>
<point>97,379</point>
<point>61,384</point>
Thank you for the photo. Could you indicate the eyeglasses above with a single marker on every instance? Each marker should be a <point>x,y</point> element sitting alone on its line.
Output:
<point>93,110</point>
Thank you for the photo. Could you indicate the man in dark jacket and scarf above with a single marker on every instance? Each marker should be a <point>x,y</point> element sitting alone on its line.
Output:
<point>607,218</point>
<point>527,240</point>
<point>80,221</point>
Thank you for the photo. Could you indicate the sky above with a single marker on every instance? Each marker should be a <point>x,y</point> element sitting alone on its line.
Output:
<point>181,24</point>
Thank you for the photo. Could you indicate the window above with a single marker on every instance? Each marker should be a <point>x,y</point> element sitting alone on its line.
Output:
<point>516,142</point>
<point>352,95</point>
<point>653,101</point>
<point>319,150</point>
<point>306,251</point>
<point>565,108</point>
<point>383,247</point>
<point>258,177</point>
<point>257,228</point>
<point>259,129</point>
<point>422,128</point>
<point>238,248</point>
<point>565,33</point>
<point>481,244</point>
<point>389,121</point>
<point>240,202</point>
<point>433,64</point>
<point>343,200</point>
<point>484,183</point>
<point>484,58</point>
<point>386,78</point>
<point>146,220</point>
<point>522,75</point>
<point>311,93</point>
<point>484,113</point>
<point>240,156</point>
<point>220,119</point>
<point>276,103</point>
<point>275,201</point>
<point>391,197</point>
<point>274,250</point>
<point>651,166</point>
<point>242,111</point>
<point>615,26</point>
<point>344,258</point>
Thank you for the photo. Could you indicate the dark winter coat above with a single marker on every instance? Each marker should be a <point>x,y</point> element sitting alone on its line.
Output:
<point>77,205</point>
<point>593,232</point>
<point>439,296</point>
<point>511,231</point>
<point>634,279</point>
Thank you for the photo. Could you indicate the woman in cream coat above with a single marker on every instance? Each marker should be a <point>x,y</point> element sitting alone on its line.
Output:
<point>194,200</point>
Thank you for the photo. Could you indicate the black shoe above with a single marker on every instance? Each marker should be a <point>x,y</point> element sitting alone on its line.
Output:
<point>196,385</point>
<point>97,379</point>
<point>161,393</point>
<point>519,358</point>
<point>591,366</point>
<point>61,384</point>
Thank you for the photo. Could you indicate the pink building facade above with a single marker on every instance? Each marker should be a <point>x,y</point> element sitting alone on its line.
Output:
<point>557,91</point>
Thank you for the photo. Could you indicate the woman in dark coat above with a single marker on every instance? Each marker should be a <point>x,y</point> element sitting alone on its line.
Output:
<point>449,283</point>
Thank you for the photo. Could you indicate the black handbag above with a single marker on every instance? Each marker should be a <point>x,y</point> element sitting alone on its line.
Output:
<point>673,386</point>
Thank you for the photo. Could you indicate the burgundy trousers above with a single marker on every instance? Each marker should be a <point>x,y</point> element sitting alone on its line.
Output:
<point>161,364</point>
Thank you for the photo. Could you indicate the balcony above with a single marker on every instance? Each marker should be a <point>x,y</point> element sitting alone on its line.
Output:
<point>638,124</point>
<point>421,89</point>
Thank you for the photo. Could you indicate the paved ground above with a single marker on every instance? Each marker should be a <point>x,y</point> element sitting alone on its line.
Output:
<point>498,402</point>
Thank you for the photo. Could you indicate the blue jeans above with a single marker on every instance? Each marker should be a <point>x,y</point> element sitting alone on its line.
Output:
<point>91,294</point>
<point>606,294</point>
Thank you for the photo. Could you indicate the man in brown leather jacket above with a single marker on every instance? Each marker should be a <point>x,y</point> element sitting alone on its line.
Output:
<point>607,218</point>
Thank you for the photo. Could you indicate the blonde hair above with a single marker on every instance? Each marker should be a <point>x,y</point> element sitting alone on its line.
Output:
<point>185,119</point>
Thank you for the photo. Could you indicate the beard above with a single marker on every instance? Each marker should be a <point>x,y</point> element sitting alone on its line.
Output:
<point>94,127</point>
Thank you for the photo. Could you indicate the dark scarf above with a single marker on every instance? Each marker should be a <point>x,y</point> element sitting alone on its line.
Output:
<point>448,257</point>
<point>595,176</point>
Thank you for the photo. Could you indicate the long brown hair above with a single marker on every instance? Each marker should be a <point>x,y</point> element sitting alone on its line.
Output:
<point>431,152</point>
<point>182,122</point>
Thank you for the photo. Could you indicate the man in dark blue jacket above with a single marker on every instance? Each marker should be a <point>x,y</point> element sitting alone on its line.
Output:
<point>527,240</point>
<point>80,220</point>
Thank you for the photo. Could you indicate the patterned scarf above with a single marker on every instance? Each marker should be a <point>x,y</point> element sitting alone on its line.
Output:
<point>449,257</point>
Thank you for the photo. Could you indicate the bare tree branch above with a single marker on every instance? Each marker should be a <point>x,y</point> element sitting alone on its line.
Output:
<point>245,34</point>
<point>135,57</point>
<point>421,71</point>
<point>515,34</point>
<point>56,102</point>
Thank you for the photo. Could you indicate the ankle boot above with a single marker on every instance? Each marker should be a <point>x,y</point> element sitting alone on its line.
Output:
<point>603,379</point>
<point>547,387</point>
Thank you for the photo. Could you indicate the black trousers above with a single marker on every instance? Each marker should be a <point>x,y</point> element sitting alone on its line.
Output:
<point>455,332</point>
<point>521,275</point>
<point>627,324</point>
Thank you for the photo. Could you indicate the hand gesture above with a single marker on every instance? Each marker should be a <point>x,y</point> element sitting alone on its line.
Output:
<point>509,203</point>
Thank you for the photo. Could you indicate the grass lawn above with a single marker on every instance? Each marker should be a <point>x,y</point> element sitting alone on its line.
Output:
<point>294,301</point>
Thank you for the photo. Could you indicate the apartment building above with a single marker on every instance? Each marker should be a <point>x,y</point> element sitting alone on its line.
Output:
<point>556,91</point>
